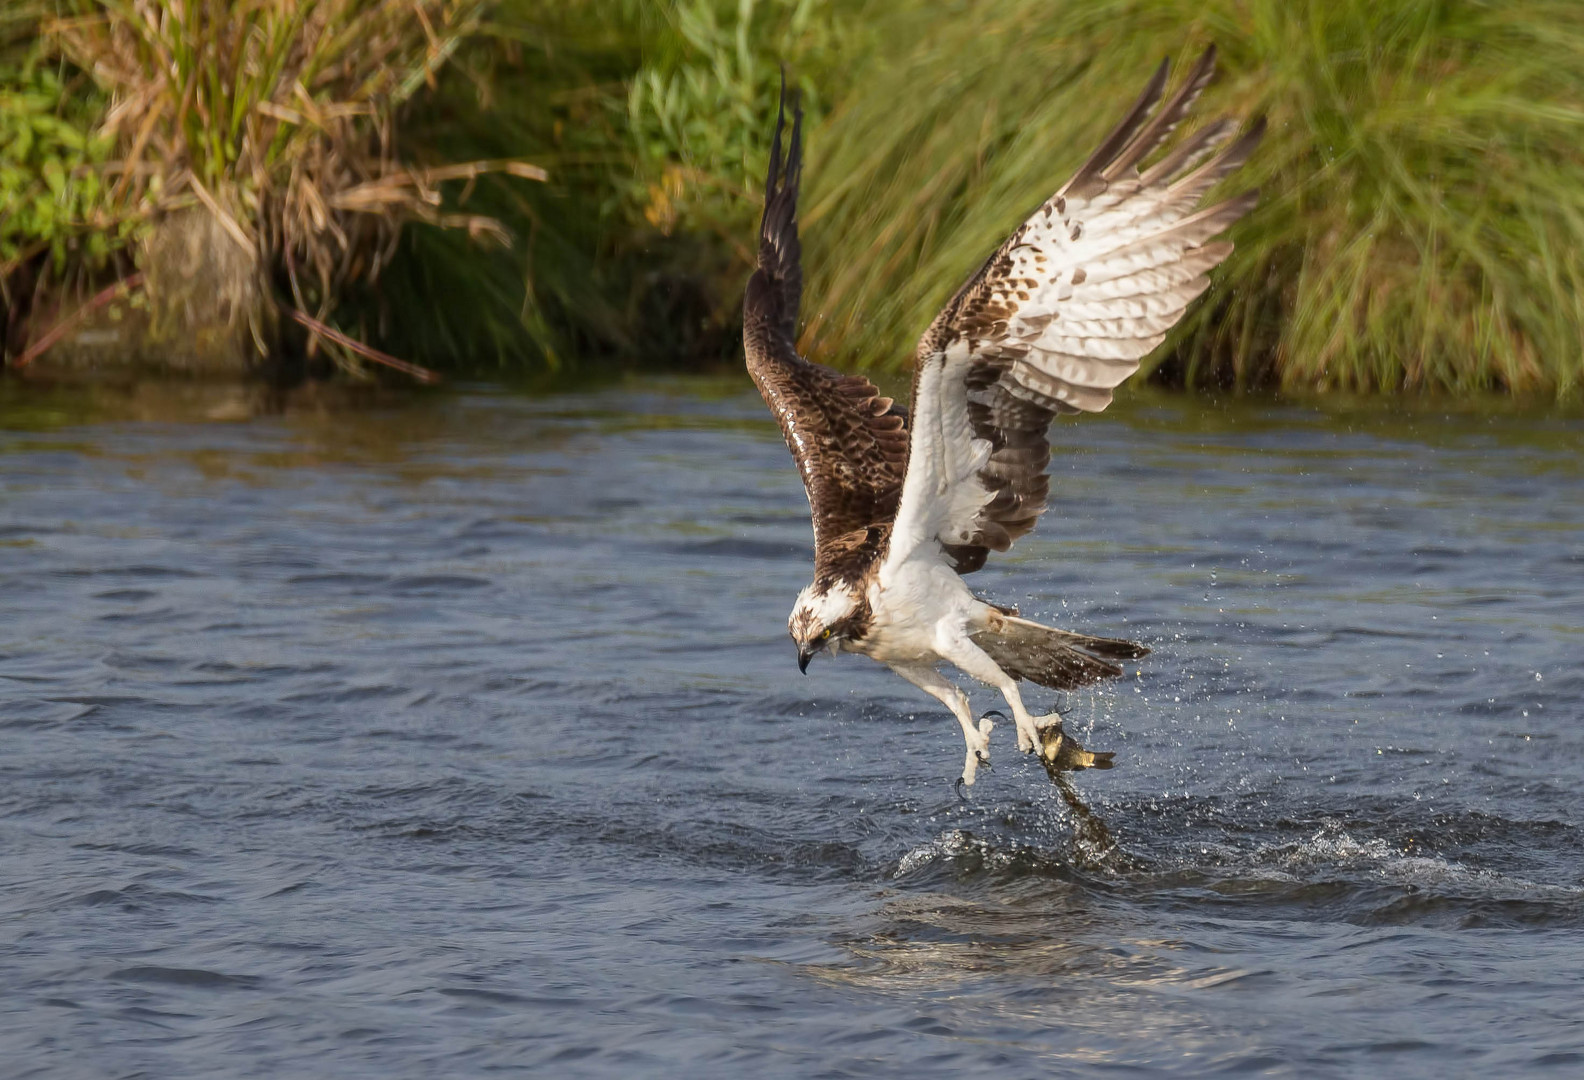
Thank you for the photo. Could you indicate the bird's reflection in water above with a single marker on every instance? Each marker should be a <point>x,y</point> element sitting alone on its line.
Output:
<point>1062,755</point>
<point>1093,845</point>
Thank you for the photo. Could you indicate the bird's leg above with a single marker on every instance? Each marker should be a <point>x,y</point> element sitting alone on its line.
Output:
<point>938,687</point>
<point>976,662</point>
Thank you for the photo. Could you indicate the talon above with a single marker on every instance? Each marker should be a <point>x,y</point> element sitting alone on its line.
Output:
<point>958,787</point>
<point>1048,721</point>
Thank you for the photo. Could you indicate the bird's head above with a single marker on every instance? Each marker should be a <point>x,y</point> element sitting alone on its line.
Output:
<point>822,619</point>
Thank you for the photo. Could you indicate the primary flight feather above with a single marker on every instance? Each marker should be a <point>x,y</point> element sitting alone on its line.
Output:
<point>906,501</point>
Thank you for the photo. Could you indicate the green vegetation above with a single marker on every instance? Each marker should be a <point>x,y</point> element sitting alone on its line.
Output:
<point>1422,225</point>
<point>254,144</point>
<point>650,119</point>
<point>49,162</point>
<point>52,198</point>
<point>1423,218</point>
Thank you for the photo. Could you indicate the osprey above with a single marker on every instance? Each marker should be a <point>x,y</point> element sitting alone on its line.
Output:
<point>905,502</point>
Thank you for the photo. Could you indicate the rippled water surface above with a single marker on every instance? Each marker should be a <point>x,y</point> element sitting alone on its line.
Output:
<point>461,734</point>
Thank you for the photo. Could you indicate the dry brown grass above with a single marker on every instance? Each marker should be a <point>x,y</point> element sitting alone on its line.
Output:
<point>276,120</point>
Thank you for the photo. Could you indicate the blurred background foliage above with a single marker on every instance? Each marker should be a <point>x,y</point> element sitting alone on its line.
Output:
<point>48,184</point>
<point>651,120</point>
<point>251,144</point>
<point>53,202</point>
<point>1422,224</point>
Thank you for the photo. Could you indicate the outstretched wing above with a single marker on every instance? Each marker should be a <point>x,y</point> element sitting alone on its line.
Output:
<point>1057,317</point>
<point>849,442</point>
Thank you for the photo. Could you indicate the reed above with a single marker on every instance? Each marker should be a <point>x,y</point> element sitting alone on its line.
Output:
<point>1421,226</point>
<point>267,128</point>
<point>1422,223</point>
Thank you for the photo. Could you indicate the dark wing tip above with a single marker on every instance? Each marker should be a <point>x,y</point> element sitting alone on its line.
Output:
<point>778,229</point>
<point>781,180</point>
<point>775,290</point>
<point>1157,83</point>
<point>778,178</point>
<point>1153,134</point>
<point>775,146</point>
<point>1121,135</point>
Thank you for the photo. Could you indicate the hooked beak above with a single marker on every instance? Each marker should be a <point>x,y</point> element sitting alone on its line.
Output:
<point>805,654</point>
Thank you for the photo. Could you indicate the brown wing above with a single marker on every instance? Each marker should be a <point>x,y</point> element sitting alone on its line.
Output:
<point>850,443</point>
<point>1058,316</point>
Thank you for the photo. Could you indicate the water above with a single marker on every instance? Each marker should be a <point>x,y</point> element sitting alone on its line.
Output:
<point>461,734</point>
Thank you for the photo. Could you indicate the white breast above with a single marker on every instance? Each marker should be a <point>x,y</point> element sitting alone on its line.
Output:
<point>915,601</point>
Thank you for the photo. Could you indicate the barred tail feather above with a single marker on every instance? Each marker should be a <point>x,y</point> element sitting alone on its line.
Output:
<point>1058,659</point>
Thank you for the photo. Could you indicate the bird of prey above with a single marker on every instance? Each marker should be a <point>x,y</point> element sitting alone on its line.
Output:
<point>905,502</point>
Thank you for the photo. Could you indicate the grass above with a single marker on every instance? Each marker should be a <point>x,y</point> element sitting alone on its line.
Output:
<point>272,122</point>
<point>1422,225</point>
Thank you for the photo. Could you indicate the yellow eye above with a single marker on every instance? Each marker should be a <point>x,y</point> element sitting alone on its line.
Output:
<point>826,634</point>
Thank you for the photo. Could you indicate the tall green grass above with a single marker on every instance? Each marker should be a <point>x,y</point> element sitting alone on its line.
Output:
<point>1423,218</point>
<point>1422,225</point>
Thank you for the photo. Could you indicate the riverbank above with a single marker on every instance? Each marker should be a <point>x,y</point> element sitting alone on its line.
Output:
<point>1421,230</point>
<point>201,185</point>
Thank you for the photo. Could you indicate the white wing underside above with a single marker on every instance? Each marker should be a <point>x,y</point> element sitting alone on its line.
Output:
<point>1060,315</point>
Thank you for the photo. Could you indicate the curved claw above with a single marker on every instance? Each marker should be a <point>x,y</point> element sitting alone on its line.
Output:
<point>958,787</point>
<point>984,761</point>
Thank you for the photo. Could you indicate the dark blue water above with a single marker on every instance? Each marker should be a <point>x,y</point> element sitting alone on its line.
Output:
<point>461,735</point>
